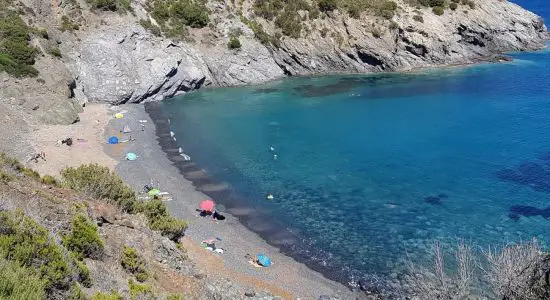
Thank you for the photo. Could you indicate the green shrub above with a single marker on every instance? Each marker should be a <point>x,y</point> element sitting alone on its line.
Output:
<point>453,6</point>
<point>84,240</point>
<point>234,43</point>
<point>290,23</point>
<point>30,173</point>
<point>5,177</point>
<point>42,32</point>
<point>29,244</point>
<point>112,5</point>
<point>174,297</point>
<point>327,5</point>
<point>16,54</point>
<point>418,18</point>
<point>50,180</point>
<point>432,3</point>
<point>17,282</point>
<point>82,270</point>
<point>438,10</point>
<point>140,291</point>
<point>132,262</point>
<point>160,220</point>
<point>154,29</point>
<point>103,296</point>
<point>76,293</point>
<point>68,25</point>
<point>55,51</point>
<point>100,183</point>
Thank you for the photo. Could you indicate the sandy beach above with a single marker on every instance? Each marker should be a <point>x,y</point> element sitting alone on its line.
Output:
<point>286,277</point>
<point>87,147</point>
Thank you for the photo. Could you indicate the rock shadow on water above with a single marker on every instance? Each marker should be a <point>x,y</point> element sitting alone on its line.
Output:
<point>531,174</point>
<point>311,91</point>
<point>435,200</point>
<point>527,211</point>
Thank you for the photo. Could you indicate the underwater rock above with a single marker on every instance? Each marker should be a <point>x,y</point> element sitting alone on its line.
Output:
<point>528,211</point>
<point>433,200</point>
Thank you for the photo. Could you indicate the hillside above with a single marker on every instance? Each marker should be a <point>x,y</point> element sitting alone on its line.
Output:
<point>57,55</point>
<point>61,243</point>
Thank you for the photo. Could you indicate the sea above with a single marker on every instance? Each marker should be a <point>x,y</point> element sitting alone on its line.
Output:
<point>367,171</point>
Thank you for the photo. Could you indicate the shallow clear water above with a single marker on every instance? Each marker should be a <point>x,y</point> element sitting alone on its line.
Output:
<point>371,169</point>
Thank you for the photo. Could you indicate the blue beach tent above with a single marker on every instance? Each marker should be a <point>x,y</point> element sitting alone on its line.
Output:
<point>264,260</point>
<point>113,140</point>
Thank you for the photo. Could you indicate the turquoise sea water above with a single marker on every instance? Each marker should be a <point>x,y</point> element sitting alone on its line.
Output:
<point>369,170</point>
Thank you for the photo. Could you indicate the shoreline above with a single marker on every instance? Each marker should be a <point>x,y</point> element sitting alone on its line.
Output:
<point>288,276</point>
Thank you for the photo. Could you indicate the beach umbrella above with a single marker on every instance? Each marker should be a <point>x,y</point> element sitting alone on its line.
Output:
<point>207,205</point>
<point>153,192</point>
<point>126,129</point>
<point>264,260</point>
<point>113,140</point>
<point>131,156</point>
<point>119,116</point>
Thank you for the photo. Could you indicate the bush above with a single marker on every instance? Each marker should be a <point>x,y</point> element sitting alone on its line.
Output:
<point>174,297</point>
<point>68,25</point>
<point>432,3</point>
<point>327,5</point>
<point>234,43</point>
<point>436,283</point>
<point>154,29</point>
<point>140,291</point>
<point>100,183</point>
<point>112,5</point>
<point>84,239</point>
<point>27,243</point>
<point>519,271</point>
<point>132,262</point>
<point>55,52</point>
<point>160,220</point>
<point>290,23</point>
<point>16,54</point>
<point>191,12</point>
<point>103,296</point>
<point>453,6</point>
<point>82,270</point>
<point>50,180</point>
<point>17,282</point>
<point>438,10</point>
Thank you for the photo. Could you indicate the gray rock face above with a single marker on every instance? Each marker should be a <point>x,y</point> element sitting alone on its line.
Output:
<point>121,64</point>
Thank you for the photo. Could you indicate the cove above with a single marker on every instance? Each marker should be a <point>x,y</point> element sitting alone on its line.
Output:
<point>367,171</point>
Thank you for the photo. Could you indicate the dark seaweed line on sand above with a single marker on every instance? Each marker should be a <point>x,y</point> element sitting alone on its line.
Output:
<point>275,232</point>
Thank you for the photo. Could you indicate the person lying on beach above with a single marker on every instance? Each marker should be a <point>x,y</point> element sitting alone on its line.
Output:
<point>35,157</point>
<point>217,216</point>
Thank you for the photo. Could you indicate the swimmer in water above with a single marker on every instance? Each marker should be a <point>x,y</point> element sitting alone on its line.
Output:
<point>275,156</point>
<point>271,148</point>
<point>269,197</point>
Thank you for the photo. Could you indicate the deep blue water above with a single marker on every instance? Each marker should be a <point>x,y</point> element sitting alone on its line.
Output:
<point>371,169</point>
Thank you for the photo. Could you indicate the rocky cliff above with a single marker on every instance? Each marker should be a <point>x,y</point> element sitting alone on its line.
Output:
<point>107,56</point>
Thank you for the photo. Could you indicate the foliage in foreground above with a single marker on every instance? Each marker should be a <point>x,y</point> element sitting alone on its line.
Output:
<point>100,183</point>
<point>132,262</point>
<point>84,239</point>
<point>17,282</point>
<point>24,241</point>
<point>16,54</point>
<point>515,272</point>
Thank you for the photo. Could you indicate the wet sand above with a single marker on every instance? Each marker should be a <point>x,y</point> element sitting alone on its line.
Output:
<point>286,277</point>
